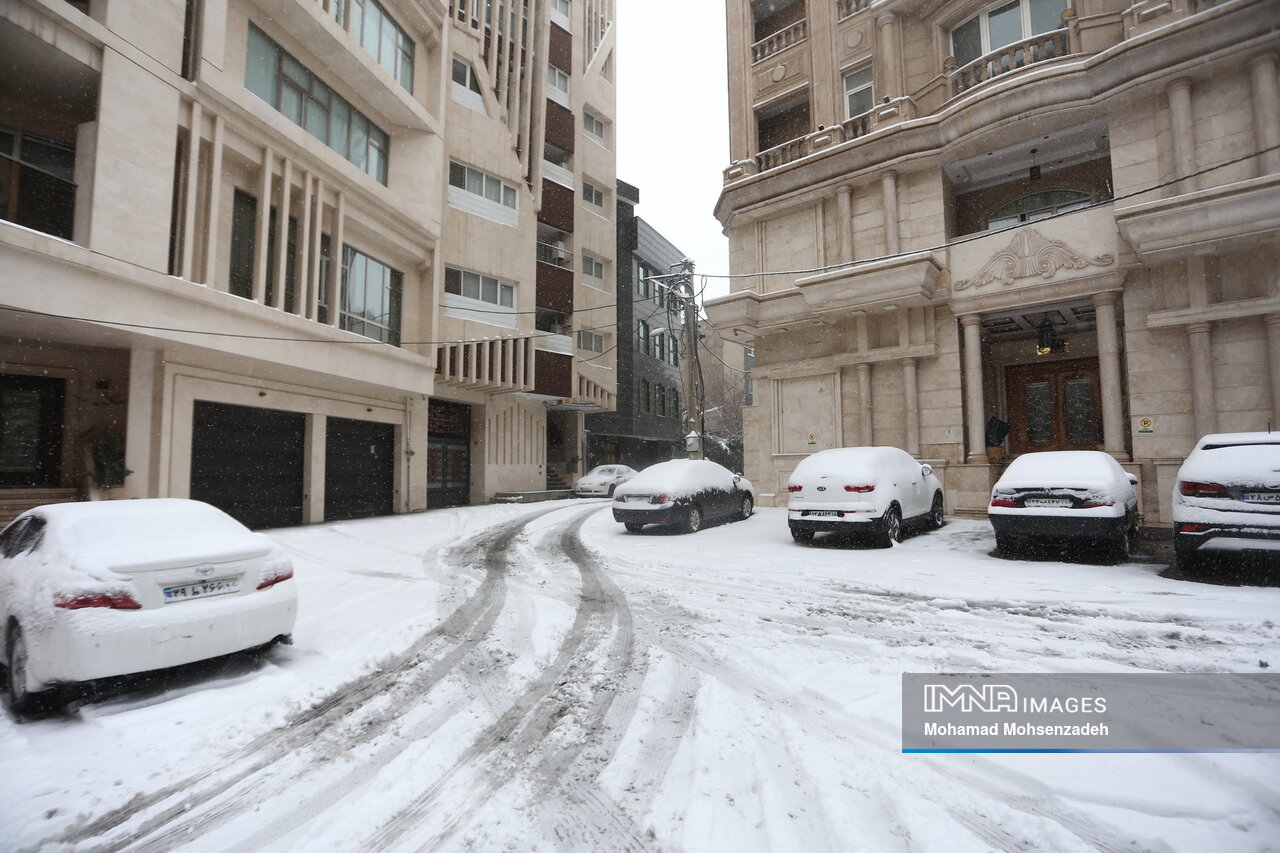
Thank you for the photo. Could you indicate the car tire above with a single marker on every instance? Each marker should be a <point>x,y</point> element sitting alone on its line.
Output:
<point>22,701</point>
<point>1122,548</point>
<point>747,506</point>
<point>891,527</point>
<point>937,517</point>
<point>804,537</point>
<point>611,488</point>
<point>693,519</point>
<point>633,526</point>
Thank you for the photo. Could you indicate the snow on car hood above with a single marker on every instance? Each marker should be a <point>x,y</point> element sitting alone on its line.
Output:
<point>680,478</point>
<point>1238,465</point>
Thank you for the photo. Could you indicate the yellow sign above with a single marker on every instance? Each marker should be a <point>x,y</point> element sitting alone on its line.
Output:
<point>1146,426</point>
<point>813,439</point>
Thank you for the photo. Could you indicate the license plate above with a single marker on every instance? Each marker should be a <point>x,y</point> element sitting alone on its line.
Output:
<point>1262,497</point>
<point>825,513</point>
<point>637,499</point>
<point>202,589</point>
<point>1048,502</point>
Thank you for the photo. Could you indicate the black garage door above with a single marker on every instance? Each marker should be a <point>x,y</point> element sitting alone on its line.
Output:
<point>249,462</point>
<point>359,469</point>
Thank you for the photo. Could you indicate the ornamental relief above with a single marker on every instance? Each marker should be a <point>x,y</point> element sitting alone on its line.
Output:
<point>1029,254</point>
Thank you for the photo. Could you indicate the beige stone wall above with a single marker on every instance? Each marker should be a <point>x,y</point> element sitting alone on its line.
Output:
<point>514,447</point>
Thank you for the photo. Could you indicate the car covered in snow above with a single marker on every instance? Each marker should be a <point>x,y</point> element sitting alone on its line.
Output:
<point>683,492</point>
<point>1227,497</point>
<point>109,588</point>
<point>862,491</point>
<point>1081,496</point>
<point>600,481</point>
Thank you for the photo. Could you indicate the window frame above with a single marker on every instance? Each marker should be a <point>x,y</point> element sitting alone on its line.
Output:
<point>484,283</point>
<point>590,194</point>
<point>402,59</point>
<point>983,20</point>
<point>392,297</point>
<point>868,86</point>
<point>471,175</point>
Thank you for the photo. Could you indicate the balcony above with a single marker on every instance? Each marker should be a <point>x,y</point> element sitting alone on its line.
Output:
<point>780,41</point>
<point>906,281</point>
<point>555,278</point>
<point>1011,57</point>
<point>501,364</point>
<point>847,8</point>
<point>36,199</point>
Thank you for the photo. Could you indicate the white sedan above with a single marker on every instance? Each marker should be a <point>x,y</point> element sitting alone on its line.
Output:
<point>108,588</point>
<point>600,481</point>
<point>857,490</point>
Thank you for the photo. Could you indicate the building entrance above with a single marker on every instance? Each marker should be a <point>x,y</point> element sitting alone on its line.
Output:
<point>1054,406</point>
<point>31,416</point>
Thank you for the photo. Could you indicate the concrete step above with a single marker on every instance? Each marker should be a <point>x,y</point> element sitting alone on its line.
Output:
<point>532,497</point>
<point>14,502</point>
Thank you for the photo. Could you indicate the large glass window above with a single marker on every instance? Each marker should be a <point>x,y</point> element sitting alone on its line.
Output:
<point>244,219</point>
<point>590,341</point>
<point>858,93</point>
<point>482,184</point>
<point>592,194</point>
<point>1002,24</point>
<point>380,36</point>
<point>464,75</point>
<point>474,285</point>
<point>286,84</point>
<point>371,297</point>
<point>1035,206</point>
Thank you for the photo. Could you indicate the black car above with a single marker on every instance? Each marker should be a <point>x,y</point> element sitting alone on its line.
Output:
<point>684,492</point>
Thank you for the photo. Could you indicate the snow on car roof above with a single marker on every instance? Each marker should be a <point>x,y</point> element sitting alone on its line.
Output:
<point>1083,468</point>
<point>1225,439</point>
<point>1234,463</point>
<point>858,462</point>
<point>94,524</point>
<point>678,477</point>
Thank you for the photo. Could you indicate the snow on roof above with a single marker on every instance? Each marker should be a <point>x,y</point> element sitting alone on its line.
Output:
<point>1225,438</point>
<point>862,463</point>
<point>1063,468</point>
<point>1228,463</point>
<point>678,477</point>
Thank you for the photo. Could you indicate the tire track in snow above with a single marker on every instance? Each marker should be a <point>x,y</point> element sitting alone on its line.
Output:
<point>569,700</point>
<point>438,650</point>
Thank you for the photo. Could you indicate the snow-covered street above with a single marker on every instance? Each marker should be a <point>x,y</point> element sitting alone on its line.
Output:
<point>534,678</point>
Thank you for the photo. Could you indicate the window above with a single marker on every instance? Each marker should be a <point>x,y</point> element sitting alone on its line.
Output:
<point>1040,205</point>
<point>286,84</point>
<point>858,93</point>
<point>592,194</point>
<point>646,402</point>
<point>590,341</point>
<point>592,267</point>
<point>642,332</point>
<point>673,352</point>
<point>558,86</point>
<point>485,288</point>
<point>22,536</point>
<point>465,76</point>
<point>380,36</point>
<point>660,349</point>
<point>244,219</point>
<point>660,401</point>
<point>482,184</point>
<point>644,289</point>
<point>674,403</point>
<point>593,126</point>
<point>1004,24</point>
<point>371,297</point>
<point>561,6</point>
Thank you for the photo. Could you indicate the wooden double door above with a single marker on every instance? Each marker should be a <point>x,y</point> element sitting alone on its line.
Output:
<point>1054,406</point>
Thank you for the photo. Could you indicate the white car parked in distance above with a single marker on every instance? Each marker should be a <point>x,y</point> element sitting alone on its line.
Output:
<point>862,490</point>
<point>600,481</point>
<point>1227,498</point>
<point>109,588</point>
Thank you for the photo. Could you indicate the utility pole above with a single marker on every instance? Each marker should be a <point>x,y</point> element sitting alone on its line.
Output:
<point>691,375</point>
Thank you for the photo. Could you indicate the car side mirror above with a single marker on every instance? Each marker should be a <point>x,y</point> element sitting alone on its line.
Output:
<point>736,479</point>
<point>1133,479</point>
<point>926,469</point>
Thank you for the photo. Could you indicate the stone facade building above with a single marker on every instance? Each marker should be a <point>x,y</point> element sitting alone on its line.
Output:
<point>1063,217</point>
<point>287,255</point>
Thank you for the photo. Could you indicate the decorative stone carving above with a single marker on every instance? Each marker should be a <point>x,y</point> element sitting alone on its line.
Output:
<point>778,73</point>
<point>1029,254</point>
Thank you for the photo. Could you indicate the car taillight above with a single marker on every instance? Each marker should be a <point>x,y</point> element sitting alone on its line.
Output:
<point>795,488</point>
<point>1192,489</point>
<point>659,499</point>
<point>859,488</point>
<point>114,601</point>
<point>276,578</point>
<point>1004,502</point>
<point>1187,527</point>
<point>1092,503</point>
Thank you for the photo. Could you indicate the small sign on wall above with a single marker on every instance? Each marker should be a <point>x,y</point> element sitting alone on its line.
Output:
<point>813,439</point>
<point>1146,426</point>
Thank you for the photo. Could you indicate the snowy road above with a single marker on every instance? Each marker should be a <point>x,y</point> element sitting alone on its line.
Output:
<point>523,678</point>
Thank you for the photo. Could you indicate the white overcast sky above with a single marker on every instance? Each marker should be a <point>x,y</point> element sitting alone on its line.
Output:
<point>672,125</point>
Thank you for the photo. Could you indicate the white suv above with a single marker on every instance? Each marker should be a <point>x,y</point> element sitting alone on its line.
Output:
<point>1227,498</point>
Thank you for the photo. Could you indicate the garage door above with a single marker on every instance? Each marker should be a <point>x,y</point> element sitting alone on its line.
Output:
<point>249,462</point>
<point>359,469</point>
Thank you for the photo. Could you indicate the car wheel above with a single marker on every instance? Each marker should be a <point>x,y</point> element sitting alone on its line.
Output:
<point>1122,550</point>
<point>611,488</point>
<point>23,702</point>
<point>633,526</point>
<point>747,506</point>
<point>891,526</point>
<point>936,517</point>
<point>693,520</point>
<point>804,537</point>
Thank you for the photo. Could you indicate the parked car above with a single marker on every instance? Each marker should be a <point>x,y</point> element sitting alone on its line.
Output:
<point>685,492</point>
<point>108,588</point>
<point>1065,495</point>
<point>862,490</point>
<point>1227,497</point>
<point>602,480</point>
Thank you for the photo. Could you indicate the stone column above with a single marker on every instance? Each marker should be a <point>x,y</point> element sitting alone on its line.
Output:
<point>1273,365</point>
<point>313,469</point>
<point>911,393</point>
<point>263,227</point>
<point>844,199</point>
<point>214,209</point>
<point>889,186</point>
<point>887,71</point>
<point>1182,128</point>
<point>865,424</point>
<point>192,186</point>
<point>337,254</point>
<point>1104,305</point>
<point>975,405</point>
<point>282,234</point>
<point>1266,111</point>
<point>1202,391</point>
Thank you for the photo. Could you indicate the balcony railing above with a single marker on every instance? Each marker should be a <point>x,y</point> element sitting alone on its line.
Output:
<point>780,41</point>
<point>780,155</point>
<point>557,256</point>
<point>846,8</point>
<point>36,199</point>
<point>857,126</point>
<point>1040,48</point>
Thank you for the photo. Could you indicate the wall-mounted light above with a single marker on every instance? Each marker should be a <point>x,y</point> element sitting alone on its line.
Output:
<point>1047,344</point>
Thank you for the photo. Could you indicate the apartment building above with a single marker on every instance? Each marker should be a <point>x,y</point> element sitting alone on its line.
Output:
<point>282,255</point>
<point>975,230</point>
<point>646,426</point>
